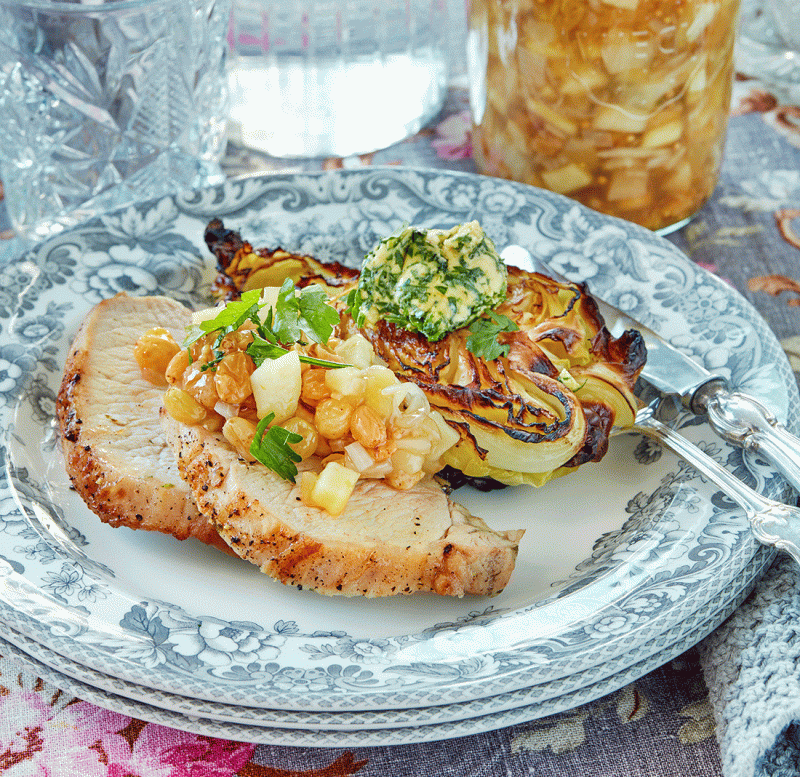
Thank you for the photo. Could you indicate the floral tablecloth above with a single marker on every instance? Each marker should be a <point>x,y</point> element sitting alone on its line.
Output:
<point>729,706</point>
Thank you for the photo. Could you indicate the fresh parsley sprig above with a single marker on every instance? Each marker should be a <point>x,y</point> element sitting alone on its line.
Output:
<point>483,332</point>
<point>262,349</point>
<point>294,315</point>
<point>229,319</point>
<point>272,447</point>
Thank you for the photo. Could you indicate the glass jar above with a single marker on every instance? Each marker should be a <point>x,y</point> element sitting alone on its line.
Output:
<point>620,104</point>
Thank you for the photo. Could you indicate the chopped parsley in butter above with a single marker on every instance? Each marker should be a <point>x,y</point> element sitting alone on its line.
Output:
<point>430,281</point>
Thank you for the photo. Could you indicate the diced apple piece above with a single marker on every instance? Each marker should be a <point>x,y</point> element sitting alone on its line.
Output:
<point>616,119</point>
<point>627,183</point>
<point>662,135</point>
<point>276,386</point>
<point>702,18</point>
<point>206,314</point>
<point>623,51</point>
<point>681,179</point>
<point>566,179</point>
<point>269,297</point>
<point>346,382</point>
<point>582,79</point>
<point>563,123</point>
<point>333,488</point>
<point>377,379</point>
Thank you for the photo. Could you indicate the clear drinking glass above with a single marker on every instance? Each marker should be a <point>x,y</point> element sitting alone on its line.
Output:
<point>106,103</point>
<point>312,78</point>
<point>620,104</point>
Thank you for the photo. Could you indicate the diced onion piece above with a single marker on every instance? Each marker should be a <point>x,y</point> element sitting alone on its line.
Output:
<point>226,410</point>
<point>357,457</point>
<point>628,4</point>
<point>421,446</point>
<point>334,487</point>
<point>276,386</point>
<point>568,178</point>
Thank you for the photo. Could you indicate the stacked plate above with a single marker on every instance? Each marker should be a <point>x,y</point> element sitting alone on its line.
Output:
<point>623,566</point>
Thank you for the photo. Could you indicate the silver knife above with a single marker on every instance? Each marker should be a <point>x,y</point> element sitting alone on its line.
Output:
<point>736,417</point>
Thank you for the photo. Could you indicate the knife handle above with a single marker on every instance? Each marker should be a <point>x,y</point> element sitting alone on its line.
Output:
<point>743,421</point>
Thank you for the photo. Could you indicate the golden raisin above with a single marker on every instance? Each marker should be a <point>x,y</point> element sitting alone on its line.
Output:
<point>308,445</point>
<point>201,385</point>
<point>232,378</point>
<point>177,366</point>
<point>314,389</point>
<point>367,427</point>
<point>332,418</point>
<point>153,352</point>
<point>183,407</point>
<point>239,432</point>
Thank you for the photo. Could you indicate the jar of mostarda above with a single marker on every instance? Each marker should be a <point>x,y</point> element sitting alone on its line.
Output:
<point>620,104</point>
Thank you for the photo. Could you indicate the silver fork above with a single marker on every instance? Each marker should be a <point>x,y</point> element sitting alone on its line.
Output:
<point>772,523</point>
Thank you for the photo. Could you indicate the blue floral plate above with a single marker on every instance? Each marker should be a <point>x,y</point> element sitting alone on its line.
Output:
<point>650,548</point>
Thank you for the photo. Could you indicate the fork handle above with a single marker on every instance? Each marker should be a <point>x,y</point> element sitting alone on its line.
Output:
<point>743,421</point>
<point>772,523</point>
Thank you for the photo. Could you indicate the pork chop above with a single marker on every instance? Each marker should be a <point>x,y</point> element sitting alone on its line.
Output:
<point>114,447</point>
<point>385,542</point>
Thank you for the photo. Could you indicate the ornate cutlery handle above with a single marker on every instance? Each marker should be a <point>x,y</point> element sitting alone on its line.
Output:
<point>772,523</point>
<point>743,421</point>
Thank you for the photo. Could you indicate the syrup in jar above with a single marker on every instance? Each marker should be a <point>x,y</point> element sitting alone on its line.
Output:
<point>619,104</point>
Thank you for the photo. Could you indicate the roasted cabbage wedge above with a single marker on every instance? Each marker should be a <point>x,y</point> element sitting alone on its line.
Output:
<point>537,412</point>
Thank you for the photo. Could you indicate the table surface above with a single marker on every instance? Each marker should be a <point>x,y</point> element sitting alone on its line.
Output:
<point>663,724</point>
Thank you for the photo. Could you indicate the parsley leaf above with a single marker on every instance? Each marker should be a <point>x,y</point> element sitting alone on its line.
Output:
<point>483,332</point>
<point>229,319</point>
<point>305,312</point>
<point>285,325</point>
<point>271,446</point>
<point>293,315</point>
<point>262,349</point>
<point>317,317</point>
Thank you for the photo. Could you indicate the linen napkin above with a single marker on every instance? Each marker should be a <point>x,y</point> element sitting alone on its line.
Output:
<point>752,668</point>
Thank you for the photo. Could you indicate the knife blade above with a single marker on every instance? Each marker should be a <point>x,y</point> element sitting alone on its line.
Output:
<point>738,418</point>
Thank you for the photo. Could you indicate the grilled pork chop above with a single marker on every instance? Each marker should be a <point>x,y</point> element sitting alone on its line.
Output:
<point>114,446</point>
<point>385,542</point>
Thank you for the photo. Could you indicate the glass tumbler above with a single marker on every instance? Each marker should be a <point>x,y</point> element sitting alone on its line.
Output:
<point>620,104</point>
<point>312,78</point>
<point>105,103</point>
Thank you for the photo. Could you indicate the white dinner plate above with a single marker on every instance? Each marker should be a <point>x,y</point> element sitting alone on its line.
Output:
<point>325,729</point>
<point>536,701</point>
<point>615,554</point>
